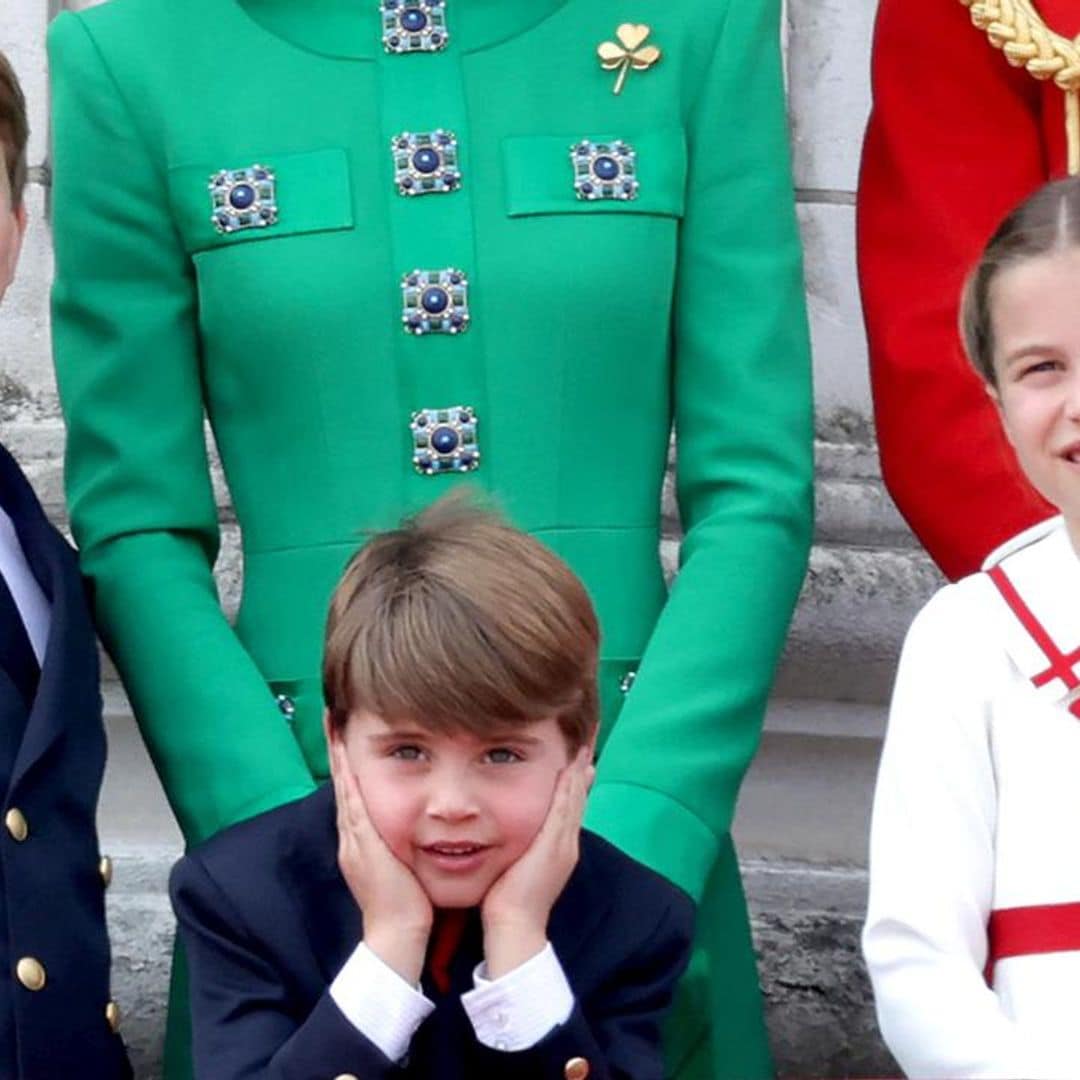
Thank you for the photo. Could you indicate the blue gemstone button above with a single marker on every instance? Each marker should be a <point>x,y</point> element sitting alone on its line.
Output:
<point>605,168</point>
<point>452,445</point>
<point>444,440</point>
<point>241,197</point>
<point>425,160</point>
<point>411,26</point>
<point>434,300</point>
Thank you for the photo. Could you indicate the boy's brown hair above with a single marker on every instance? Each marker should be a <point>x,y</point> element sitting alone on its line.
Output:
<point>1047,221</point>
<point>459,622</point>
<point>14,130</point>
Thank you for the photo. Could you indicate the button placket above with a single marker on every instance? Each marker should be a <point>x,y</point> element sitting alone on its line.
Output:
<point>439,359</point>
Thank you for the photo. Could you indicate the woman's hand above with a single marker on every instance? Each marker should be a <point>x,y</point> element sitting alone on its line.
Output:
<point>397,912</point>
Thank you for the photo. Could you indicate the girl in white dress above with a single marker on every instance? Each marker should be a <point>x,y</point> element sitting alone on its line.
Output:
<point>973,930</point>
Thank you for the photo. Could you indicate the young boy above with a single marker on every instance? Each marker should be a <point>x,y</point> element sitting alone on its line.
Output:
<point>438,911</point>
<point>56,1018</point>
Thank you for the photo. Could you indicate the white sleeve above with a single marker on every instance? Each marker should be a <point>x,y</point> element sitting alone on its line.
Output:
<point>379,1003</point>
<point>932,863</point>
<point>516,1011</point>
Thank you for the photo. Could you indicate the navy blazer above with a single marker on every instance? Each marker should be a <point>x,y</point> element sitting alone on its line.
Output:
<point>268,921</point>
<point>53,892</point>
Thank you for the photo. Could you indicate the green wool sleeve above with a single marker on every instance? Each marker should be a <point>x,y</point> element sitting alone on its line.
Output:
<point>142,507</point>
<point>671,769</point>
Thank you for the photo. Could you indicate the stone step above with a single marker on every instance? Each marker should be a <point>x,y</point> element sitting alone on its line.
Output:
<point>807,795</point>
<point>854,610</point>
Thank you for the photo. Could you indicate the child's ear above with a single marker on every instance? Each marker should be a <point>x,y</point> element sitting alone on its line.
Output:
<point>331,733</point>
<point>590,742</point>
<point>9,257</point>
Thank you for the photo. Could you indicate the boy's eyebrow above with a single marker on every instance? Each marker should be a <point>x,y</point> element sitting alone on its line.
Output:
<point>515,735</point>
<point>396,734</point>
<point>510,734</point>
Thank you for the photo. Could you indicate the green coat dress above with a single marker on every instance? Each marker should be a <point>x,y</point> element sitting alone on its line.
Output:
<point>235,239</point>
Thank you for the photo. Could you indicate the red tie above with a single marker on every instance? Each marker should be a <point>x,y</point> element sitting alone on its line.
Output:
<point>445,938</point>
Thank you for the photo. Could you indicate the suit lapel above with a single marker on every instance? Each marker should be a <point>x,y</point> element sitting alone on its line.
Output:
<point>579,911</point>
<point>311,854</point>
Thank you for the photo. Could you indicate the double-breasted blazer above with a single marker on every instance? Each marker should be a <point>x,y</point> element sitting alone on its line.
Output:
<point>584,325</point>
<point>53,934</point>
<point>268,922</point>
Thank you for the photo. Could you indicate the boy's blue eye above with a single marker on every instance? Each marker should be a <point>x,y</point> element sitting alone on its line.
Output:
<point>503,755</point>
<point>407,753</point>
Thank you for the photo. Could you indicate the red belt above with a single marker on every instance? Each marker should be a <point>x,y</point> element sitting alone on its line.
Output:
<point>1027,931</point>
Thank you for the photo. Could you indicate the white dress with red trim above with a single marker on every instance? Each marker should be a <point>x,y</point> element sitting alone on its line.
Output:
<point>972,936</point>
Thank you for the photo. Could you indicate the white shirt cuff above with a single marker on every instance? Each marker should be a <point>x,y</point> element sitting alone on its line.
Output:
<point>516,1011</point>
<point>379,1003</point>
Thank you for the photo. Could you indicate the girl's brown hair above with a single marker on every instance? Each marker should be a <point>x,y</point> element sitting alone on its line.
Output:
<point>457,621</point>
<point>1045,222</point>
<point>14,130</point>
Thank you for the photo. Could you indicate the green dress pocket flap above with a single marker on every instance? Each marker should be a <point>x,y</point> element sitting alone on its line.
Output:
<point>540,174</point>
<point>309,192</point>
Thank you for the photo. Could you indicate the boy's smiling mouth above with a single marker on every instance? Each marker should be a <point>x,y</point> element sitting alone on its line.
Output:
<point>456,855</point>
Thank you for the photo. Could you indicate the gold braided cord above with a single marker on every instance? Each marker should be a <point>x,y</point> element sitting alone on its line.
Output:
<point>1019,31</point>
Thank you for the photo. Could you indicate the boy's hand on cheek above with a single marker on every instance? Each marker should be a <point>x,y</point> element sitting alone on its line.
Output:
<point>397,912</point>
<point>516,908</point>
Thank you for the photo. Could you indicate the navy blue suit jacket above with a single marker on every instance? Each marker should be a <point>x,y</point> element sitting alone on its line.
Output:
<point>268,922</point>
<point>52,892</point>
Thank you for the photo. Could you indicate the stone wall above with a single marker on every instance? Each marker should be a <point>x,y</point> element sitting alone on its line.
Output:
<point>804,811</point>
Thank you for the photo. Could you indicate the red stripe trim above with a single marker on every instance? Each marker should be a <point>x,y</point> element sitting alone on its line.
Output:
<point>1029,931</point>
<point>1059,662</point>
<point>1061,665</point>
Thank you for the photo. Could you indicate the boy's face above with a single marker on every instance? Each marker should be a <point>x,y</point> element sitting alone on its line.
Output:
<point>455,808</point>
<point>12,227</point>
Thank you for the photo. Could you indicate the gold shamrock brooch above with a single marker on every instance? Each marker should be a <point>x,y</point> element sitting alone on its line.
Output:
<point>630,51</point>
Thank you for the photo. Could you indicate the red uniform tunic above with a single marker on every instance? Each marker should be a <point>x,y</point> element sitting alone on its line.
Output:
<point>957,137</point>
